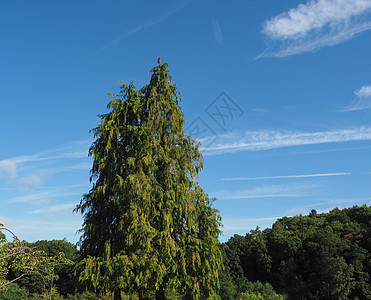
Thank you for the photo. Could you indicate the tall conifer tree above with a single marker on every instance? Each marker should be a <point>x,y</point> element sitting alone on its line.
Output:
<point>148,225</point>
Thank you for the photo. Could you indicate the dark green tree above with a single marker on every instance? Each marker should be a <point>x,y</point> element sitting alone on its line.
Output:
<point>319,256</point>
<point>148,226</point>
<point>19,260</point>
<point>228,289</point>
<point>66,282</point>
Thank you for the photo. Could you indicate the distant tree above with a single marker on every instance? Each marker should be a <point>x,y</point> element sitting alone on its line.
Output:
<point>228,288</point>
<point>13,292</point>
<point>18,260</point>
<point>259,291</point>
<point>66,283</point>
<point>323,270</point>
<point>253,254</point>
<point>319,256</point>
<point>148,226</point>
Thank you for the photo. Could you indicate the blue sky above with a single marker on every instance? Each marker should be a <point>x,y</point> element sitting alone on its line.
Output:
<point>279,92</point>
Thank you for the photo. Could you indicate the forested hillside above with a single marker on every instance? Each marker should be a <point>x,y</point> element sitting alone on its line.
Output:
<point>319,256</point>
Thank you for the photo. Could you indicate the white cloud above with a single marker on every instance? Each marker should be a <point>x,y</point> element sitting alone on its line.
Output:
<point>363,100</point>
<point>46,194</point>
<point>32,170</point>
<point>72,150</point>
<point>6,221</point>
<point>316,24</point>
<point>266,139</point>
<point>364,91</point>
<point>268,191</point>
<point>245,224</point>
<point>35,198</point>
<point>61,208</point>
<point>337,201</point>
<point>31,180</point>
<point>297,211</point>
<point>217,32</point>
<point>8,168</point>
<point>56,228</point>
<point>299,21</point>
<point>285,176</point>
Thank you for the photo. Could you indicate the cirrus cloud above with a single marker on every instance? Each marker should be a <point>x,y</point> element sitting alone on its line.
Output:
<point>364,91</point>
<point>8,168</point>
<point>274,139</point>
<point>363,100</point>
<point>316,24</point>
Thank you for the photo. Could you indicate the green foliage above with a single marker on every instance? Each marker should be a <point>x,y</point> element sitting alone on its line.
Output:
<point>3,262</point>
<point>18,259</point>
<point>259,291</point>
<point>14,291</point>
<point>319,256</point>
<point>66,282</point>
<point>54,247</point>
<point>249,253</point>
<point>228,289</point>
<point>148,226</point>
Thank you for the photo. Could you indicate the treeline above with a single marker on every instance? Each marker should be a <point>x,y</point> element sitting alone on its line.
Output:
<point>36,285</point>
<point>319,256</point>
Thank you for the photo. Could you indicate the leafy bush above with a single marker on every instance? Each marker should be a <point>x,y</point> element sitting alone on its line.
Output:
<point>14,291</point>
<point>257,291</point>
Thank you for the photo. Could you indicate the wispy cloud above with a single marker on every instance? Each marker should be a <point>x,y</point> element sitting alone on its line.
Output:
<point>6,221</point>
<point>31,180</point>
<point>8,168</point>
<point>76,149</point>
<point>47,194</point>
<point>325,205</point>
<point>57,228</point>
<point>246,224</point>
<point>336,201</point>
<point>363,100</point>
<point>269,191</point>
<point>160,17</point>
<point>266,139</point>
<point>364,91</point>
<point>61,208</point>
<point>217,32</point>
<point>316,24</point>
<point>342,149</point>
<point>297,211</point>
<point>284,176</point>
<point>32,170</point>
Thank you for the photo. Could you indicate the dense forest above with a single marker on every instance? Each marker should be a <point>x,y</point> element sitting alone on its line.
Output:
<point>318,256</point>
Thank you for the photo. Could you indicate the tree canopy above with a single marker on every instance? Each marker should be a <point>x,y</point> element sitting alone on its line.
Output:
<point>19,260</point>
<point>148,225</point>
<point>319,256</point>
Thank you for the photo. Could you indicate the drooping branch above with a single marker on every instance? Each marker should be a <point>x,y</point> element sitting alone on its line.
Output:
<point>25,259</point>
<point>13,280</point>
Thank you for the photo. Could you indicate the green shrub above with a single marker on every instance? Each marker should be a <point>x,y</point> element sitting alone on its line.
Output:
<point>14,291</point>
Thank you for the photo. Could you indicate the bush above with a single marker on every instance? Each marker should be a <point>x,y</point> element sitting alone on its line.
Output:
<point>14,291</point>
<point>257,291</point>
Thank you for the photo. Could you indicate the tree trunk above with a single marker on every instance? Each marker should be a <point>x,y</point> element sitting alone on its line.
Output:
<point>117,295</point>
